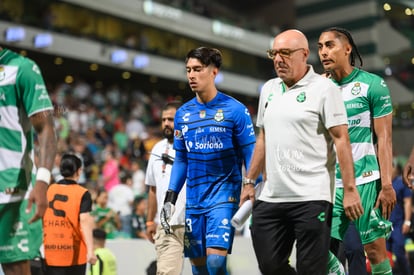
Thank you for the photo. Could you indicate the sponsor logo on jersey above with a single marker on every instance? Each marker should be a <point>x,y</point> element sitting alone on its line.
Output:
<point>214,129</point>
<point>184,129</point>
<point>354,122</point>
<point>43,96</point>
<point>202,113</point>
<point>225,224</point>
<point>386,100</point>
<point>208,145</point>
<point>23,245</point>
<point>2,73</point>
<point>205,144</point>
<point>232,199</point>
<point>356,105</point>
<point>199,130</point>
<point>186,117</point>
<point>301,97</point>
<point>226,236</point>
<point>219,116</point>
<point>367,174</point>
<point>356,89</point>
<point>36,69</point>
<point>250,126</point>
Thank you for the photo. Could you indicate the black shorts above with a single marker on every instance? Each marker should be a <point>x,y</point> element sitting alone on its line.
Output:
<point>275,227</point>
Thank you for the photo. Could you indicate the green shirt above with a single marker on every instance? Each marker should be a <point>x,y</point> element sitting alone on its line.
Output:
<point>23,93</point>
<point>366,97</point>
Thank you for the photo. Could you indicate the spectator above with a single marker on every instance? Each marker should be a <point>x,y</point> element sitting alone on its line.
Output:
<point>106,218</point>
<point>138,179</point>
<point>139,218</point>
<point>120,200</point>
<point>106,263</point>
<point>110,170</point>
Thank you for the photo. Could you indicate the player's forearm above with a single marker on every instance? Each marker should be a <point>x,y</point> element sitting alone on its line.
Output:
<point>383,131</point>
<point>346,163</point>
<point>178,174</point>
<point>256,165</point>
<point>47,142</point>
<point>385,159</point>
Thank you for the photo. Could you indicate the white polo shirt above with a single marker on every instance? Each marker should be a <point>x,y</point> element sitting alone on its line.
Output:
<point>158,174</point>
<point>300,155</point>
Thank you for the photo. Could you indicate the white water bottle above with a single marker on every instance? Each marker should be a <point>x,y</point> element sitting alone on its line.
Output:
<point>242,215</point>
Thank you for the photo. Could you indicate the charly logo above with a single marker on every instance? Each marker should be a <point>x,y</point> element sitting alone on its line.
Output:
<point>321,216</point>
<point>219,116</point>
<point>356,89</point>
<point>2,73</point>
<point>301,97</point>
<point>202,113</point>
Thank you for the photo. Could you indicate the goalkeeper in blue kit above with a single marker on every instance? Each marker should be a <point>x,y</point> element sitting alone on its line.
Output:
<point>213,138</point>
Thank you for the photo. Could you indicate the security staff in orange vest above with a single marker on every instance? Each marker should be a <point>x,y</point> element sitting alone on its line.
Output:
<point>67,223</point>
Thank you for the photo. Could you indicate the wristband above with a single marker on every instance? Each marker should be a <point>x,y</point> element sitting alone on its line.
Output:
<point>43,174</point>
<point>149,223</point>
<point>408,223</point>
<point>247,181</point>
<point>171,196</point>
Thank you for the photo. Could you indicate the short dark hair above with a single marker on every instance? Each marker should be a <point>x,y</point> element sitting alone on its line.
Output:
<point>69,164</point>
<point>206,56</point>
<point>171,105</point>
<point>99,234</point>
<point>344,33</point>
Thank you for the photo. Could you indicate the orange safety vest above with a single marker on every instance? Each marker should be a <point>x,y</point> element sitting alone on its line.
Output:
<point>64,244</point>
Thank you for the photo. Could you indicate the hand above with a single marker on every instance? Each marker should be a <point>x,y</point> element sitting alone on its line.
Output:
<point>151,230</point>
<point>92,258</point>
<point>38,197</point>
<point>405,229</point>
<point>165,216</point>
<point>386,199</point>
<point>408,174</point>
<point>352,204</point>
<point>248,193</point>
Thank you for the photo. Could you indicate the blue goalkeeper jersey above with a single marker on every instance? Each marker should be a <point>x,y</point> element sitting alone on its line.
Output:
<point>215,139</point>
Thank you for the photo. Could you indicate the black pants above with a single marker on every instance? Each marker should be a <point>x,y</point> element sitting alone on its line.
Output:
<point>275,227</point>
<point>66,270</point>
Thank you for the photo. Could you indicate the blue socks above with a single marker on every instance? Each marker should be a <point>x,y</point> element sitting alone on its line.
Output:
<point>216,264</point>
<point>199,270</point>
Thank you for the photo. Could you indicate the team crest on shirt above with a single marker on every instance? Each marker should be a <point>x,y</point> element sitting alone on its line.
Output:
<point>202,113</point>
<point>301,97</point>
<point>356,89</point>
<point>219,116</point>
<point>2,73</point>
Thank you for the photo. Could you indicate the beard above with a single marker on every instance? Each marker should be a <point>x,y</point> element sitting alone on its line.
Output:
<point>168,133</point>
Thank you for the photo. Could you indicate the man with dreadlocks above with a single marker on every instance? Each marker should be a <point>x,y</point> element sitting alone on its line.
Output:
<point>368,104</point>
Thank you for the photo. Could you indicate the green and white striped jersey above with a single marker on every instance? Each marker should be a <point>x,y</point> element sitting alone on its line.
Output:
<point>366,96</point>
<point>22,94</point>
